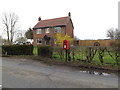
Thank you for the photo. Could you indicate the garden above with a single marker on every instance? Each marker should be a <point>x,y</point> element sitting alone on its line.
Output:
<point>96,55</point>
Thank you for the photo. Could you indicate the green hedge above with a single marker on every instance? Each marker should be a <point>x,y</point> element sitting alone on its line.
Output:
<point>17,49</point>
<point>45,51</point>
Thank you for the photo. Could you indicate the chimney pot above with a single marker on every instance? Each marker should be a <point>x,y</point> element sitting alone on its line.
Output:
<point>39,19</point>
<point>69,14</point>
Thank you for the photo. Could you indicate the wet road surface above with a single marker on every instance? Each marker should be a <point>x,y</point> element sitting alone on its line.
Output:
<point>23,73</point>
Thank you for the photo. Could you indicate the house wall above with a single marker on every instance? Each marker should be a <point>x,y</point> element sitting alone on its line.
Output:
<point>52,34</point>
<point>69,29</point>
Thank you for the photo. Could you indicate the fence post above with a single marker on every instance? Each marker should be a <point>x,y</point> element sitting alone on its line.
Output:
<point>66,55</point>
<point>69,58</point>
<point>73,54</point>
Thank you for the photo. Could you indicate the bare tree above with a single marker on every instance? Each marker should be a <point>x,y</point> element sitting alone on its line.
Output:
<point>110,33</point>
<point>113,33</point>
<point>117,34</point>
<point>29,34</point>
<point>21,39</point>
<point>10,21</point>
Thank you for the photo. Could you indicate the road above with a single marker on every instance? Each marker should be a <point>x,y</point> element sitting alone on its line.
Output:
<point>23,73</point>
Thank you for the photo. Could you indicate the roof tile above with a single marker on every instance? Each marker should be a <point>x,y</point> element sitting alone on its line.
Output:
<point>52,22</point>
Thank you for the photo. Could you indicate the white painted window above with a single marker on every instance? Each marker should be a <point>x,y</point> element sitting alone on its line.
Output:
<point>39,31</point>
<point>39,41</point>
<point>47,30</point>
<point>57,29</point>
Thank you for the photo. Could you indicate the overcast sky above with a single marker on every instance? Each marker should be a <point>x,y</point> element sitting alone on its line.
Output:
<point>91,18</point>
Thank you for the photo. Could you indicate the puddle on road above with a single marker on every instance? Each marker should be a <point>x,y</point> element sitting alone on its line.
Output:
<point>96,73</point>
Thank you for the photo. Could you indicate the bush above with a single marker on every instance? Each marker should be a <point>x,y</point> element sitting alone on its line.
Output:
<point>45,51</point>
<point>35,50</point>
<point>17,49</point>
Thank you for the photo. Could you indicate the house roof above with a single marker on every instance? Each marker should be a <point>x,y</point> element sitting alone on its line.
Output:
<point>52,22</point>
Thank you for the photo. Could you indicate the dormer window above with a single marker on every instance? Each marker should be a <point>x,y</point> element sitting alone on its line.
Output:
<point>39,31</point>
<point>47,30</point>
<point>57,29</point>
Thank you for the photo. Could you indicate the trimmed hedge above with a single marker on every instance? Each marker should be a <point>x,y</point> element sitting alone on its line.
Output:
<point>17,49</point>
<point>45,51</point>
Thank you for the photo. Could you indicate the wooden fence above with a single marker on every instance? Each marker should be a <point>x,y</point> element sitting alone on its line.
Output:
<point>95,42</point>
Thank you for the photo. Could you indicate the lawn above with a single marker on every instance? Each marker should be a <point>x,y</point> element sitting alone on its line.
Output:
<point>79,55</point>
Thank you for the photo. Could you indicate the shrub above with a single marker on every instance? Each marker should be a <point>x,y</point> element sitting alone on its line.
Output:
<point>17,49</point>
<point>35,50</point>
<point>45,51</point>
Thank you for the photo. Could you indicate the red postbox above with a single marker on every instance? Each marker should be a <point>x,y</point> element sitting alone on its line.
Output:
<point>66,45</point>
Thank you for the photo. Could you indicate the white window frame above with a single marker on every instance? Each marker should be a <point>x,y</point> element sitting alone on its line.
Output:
<point>39,41</point>
<point>39,31</point>
<point>57,29</point>
<point>47,30</point>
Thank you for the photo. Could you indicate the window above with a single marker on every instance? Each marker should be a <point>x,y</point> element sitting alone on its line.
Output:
<point>39,31</point>
<point>39,41</point>
<point>47,30</point>
<point>57,29</point>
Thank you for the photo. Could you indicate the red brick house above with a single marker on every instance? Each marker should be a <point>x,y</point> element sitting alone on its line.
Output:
<point>44,31</point>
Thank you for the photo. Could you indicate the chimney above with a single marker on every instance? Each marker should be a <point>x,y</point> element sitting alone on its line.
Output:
<point>69,14</point>
<point>39,19</point>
